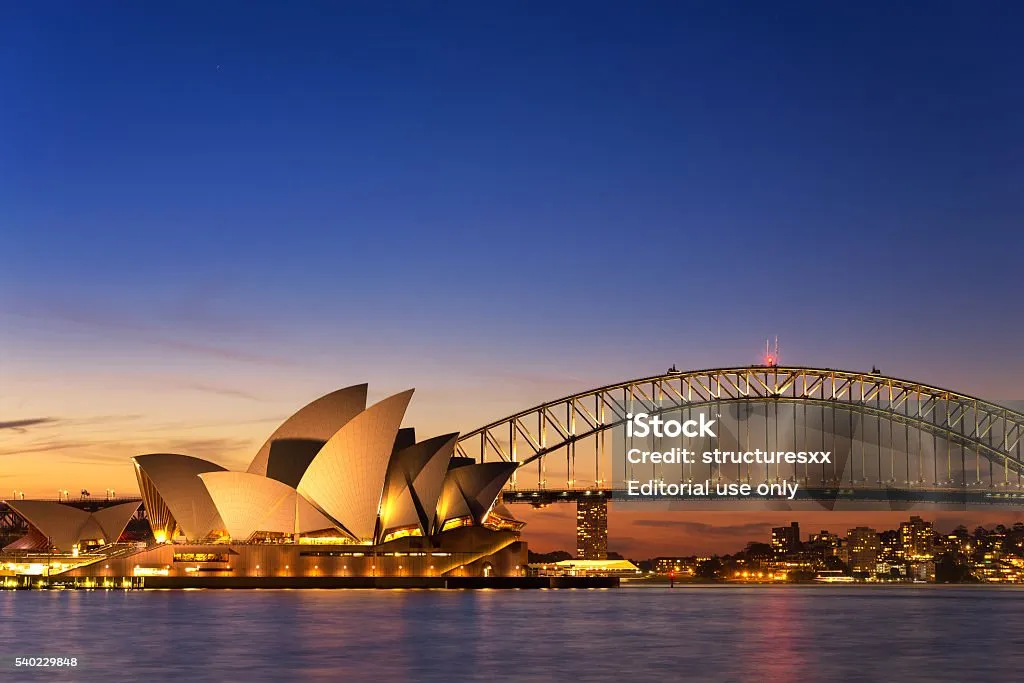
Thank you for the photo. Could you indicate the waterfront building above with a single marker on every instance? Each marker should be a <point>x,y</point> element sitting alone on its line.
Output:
<point>921,570</point>
<point>339,489</point>
<point>677,565</point>
<point>824,544</point>
<point>958,542</point>
<point>916,539</point>
<point>891,547</point>
<point>592,529</point>
<point>620,568</point>
<point>786,539</point>
<point>863,547</point>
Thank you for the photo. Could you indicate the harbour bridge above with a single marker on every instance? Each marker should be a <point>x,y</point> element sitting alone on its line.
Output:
<point>893,441</point>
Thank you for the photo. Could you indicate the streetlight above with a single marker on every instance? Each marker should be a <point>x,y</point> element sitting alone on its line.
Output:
<point>49,559</point>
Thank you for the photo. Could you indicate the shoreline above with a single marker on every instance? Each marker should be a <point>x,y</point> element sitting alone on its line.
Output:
<point>331,582</point>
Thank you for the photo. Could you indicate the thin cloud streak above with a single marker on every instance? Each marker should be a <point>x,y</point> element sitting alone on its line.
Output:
<point>223,391</point>
<point>21,426</point>
<point>150,335</point>
<point>183,426</point>
<point>221,353</point>
<point>113,450</point>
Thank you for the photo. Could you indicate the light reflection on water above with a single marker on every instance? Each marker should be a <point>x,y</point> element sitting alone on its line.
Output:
<point>727,633</point>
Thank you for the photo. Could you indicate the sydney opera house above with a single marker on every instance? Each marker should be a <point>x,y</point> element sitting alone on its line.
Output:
<point>338,490</point>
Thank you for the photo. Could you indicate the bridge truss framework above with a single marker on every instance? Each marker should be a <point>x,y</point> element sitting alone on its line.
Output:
<point>991,431</point>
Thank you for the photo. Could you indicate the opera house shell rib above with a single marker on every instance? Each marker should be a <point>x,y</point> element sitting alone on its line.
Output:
<point>339,489</point>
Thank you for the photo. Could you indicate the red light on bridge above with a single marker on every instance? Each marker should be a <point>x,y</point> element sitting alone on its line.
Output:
<point>771,358</point>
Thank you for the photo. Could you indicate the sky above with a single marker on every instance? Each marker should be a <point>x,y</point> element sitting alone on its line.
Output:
<point>211,213</point>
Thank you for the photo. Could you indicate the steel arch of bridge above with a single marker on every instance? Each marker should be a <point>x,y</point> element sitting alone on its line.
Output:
<point>994,431</point>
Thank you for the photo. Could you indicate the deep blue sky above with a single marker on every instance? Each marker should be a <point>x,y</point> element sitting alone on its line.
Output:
<point>505,180</point>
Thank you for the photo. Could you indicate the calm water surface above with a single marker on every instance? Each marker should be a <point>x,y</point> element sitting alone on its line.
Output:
<point>707,633</point>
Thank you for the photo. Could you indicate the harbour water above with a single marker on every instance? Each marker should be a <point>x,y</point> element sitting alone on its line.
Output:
<point>701,633</point>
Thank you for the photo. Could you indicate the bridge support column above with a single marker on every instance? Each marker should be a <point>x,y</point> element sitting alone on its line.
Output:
<point>592,529</point>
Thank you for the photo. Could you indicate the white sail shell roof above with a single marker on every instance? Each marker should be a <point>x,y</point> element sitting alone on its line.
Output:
<point>171,481</point>
<point>249,503</point>
<point>346,478</point>
<point>65,526</point>
<point>471,490</point>
<point>115,518</point>
<point>415,479</point>
<point>59,523</point>
<point>318,420</point>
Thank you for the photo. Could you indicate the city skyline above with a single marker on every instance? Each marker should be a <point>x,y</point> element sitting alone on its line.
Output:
<point>914,551</point>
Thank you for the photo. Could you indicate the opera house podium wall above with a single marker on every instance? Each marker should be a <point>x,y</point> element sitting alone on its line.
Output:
<point>494,554</point>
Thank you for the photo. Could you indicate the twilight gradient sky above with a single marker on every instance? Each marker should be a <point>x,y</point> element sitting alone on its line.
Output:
<point>212,213</point>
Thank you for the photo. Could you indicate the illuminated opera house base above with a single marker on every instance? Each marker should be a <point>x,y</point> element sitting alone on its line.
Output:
<point>464,552</point>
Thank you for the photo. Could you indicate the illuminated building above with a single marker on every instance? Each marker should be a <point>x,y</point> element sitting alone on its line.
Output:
<point>863,548</point>
<point>677,565</point>
<point>592,529</point>
<point>786,539</point>
<point>825,544</point>
<point>339,490</point>
<point>891,549</point>
<point>621,568</point>
<point>921,570</point>
<point>957,542</point>
<point>916,539</point>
